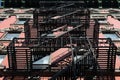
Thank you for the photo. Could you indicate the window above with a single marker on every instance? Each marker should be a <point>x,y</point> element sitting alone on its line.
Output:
<point>10,36</point>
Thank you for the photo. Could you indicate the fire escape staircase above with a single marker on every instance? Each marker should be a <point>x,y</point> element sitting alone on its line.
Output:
<point>81,62</point>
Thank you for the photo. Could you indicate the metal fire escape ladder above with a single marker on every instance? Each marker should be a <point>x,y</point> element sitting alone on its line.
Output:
<point>65,5</point>
<point>73,61</point>
<point>95,62</point>
<point>94,53</point>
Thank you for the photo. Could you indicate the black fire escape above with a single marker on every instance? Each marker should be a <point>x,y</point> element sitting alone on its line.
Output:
<point>67,46</point>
